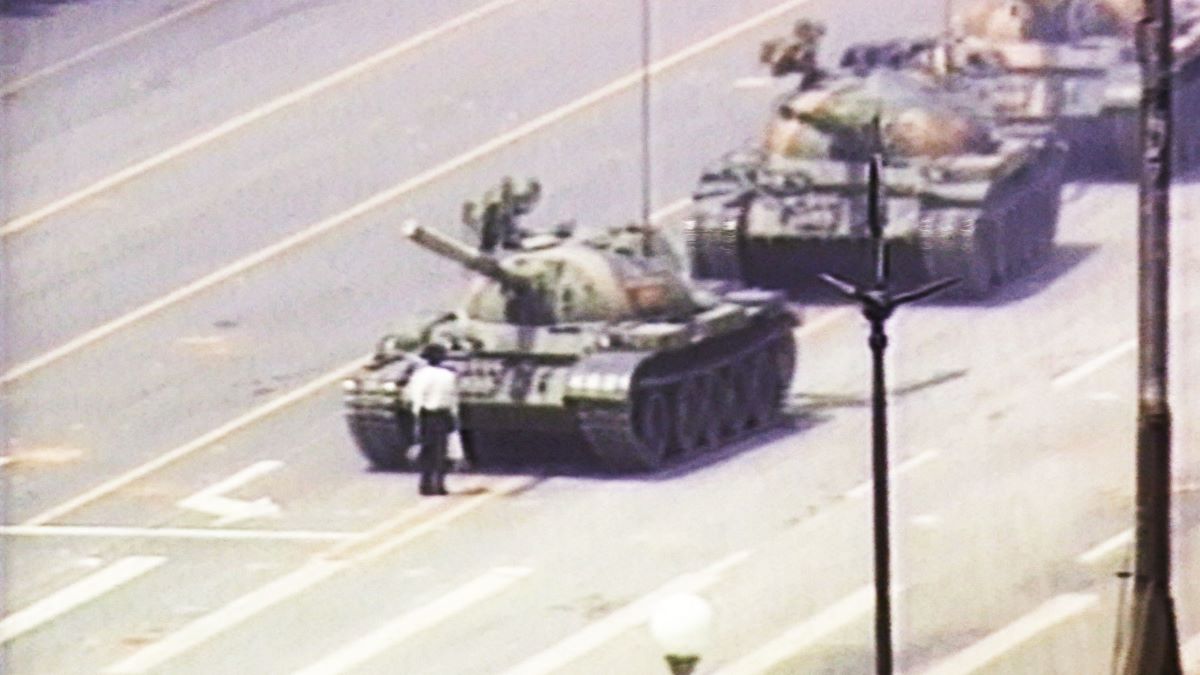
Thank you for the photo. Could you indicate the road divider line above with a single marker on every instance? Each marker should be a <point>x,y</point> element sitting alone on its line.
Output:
<point>77,594</point>
<point>1076,374</point>
<point>218,621</point>
<point>379,640</point>
<point>390,194</point>
<point>863,489</point>
<point>244,119</point>
<point>116,41</point>
<point>199,533</point>
<point>1105,548</point>
<point>992,647</point>
<point>626,618</point>
<point>339,557</point>
<point>805,634</point>
<point>202,441</point>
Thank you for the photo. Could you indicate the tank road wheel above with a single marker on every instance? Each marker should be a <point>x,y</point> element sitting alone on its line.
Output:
<point>744,384</point>
<point>979,246</point>
<point>651,427</point>
<point>959,243</point>
<point>692,408</point>
<point>1046,227</point>
<point>730,405</point>
<point>772,376</point>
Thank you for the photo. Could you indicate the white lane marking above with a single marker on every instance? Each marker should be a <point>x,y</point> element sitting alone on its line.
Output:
<point>5,460</point>
<point>753,82</point>
<point>212,499</point>
<point>987,650</point>
<point>379,199</point>
<point>863,489</point>
<point>411,623</point>
<point>805,634</point>
<point>823,321</point>
<point>119,532</point>
<point>339,557</point>
<point>198,443</point>
<point>222,619</point>
<point>1103,396</point>
<point>1190,653</point>
<point>235,123</point>
<point>1106,547</point>
<point>927,521</point>
<point>1076,374</point>
<point>57,67</point>
<point>626,618</point>
<point>81,592</point>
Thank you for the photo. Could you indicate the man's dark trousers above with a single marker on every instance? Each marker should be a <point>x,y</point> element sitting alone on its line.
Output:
<point>435,426</point>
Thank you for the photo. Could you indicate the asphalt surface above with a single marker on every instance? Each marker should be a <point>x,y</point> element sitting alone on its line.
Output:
<point>150,356</point>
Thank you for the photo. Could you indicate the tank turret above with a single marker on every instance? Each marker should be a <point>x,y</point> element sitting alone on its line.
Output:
<point>597,337</point>
<point>1067,64</point>
<point>965,198</point>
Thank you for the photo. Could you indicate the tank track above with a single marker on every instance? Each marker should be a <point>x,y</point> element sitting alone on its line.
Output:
<point>610,429</point>
<point>954,243</point>
<point>712,248</point>
<point>383,437</point>
<point>987,249</point>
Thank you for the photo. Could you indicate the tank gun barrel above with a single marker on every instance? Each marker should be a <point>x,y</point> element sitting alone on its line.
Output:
<point>448,247</point>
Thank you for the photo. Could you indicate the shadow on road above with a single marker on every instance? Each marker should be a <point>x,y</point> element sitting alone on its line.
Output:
<point>33,9</point>
<point>1060,261</point>
<point>808,403</point>
<point>545,455</point>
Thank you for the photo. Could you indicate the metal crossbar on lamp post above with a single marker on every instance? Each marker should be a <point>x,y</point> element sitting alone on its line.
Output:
<point>878,303</point>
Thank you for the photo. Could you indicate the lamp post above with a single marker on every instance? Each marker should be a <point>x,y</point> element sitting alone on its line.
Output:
<point>682,626</point>
<point>1153,647</point>
<point>878,303</point>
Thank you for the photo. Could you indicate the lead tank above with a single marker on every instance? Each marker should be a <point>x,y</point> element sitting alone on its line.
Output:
<point>963,199</point>
<point>596,337</point>
<point>1068,63</point>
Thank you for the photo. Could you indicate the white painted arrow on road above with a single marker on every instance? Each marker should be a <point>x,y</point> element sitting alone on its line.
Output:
<point>212,499</point>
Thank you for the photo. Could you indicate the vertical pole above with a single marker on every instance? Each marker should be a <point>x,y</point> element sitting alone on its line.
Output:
<point>1154,643</point>
<point>645,120</point>
<point>879,474</point>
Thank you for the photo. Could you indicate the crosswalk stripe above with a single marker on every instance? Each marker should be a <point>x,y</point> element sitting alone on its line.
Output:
<point>79,593</point>
<point>629,616</point>
<point>427,616</point>
<point>216,622</point>
<point>1054,611</point>
<point>805,634</point>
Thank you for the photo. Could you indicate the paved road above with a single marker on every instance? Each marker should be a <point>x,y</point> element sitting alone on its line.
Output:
<point>1012,421</point>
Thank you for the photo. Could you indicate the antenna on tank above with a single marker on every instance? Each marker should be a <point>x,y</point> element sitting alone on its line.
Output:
<point>645,123</point>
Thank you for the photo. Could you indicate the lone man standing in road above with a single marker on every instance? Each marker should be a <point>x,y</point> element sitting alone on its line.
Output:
<point>433,391</point>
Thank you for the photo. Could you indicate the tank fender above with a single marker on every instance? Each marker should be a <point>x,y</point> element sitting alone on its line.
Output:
<point>605,377</point>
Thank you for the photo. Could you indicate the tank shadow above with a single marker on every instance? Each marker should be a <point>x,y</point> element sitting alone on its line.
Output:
<point>33,9</point>
<point>809,403</point>
<point>1061,260</point>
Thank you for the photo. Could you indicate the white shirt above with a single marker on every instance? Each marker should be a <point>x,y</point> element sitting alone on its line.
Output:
<point>433,388</point>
